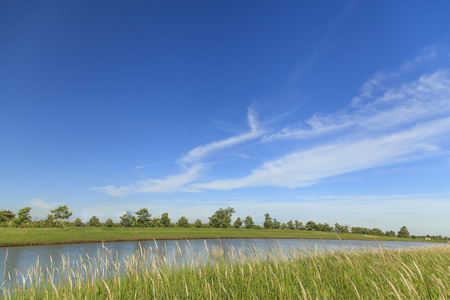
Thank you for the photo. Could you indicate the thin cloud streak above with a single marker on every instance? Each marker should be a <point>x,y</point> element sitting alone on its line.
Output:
<point>200,152</point>
<point>302,69</point>
<point>170,184</point>
<point>146,166</point>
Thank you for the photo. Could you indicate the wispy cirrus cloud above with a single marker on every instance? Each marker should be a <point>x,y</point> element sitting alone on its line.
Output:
<point>191,162</point>
<point>380,108</point>
<point>145,166</point>
<point>303,168</point>
<point>200,152</point>
<point>171,183</point>
<point>397,117</point>
<point>305,66</point>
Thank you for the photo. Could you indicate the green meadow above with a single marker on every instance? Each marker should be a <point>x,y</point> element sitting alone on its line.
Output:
<point>36,236</point>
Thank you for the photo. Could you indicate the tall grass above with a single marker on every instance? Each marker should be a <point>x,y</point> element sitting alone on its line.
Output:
<point>246,273</point>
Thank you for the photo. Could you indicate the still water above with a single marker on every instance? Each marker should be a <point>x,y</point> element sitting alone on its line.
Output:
<point>24,258</point>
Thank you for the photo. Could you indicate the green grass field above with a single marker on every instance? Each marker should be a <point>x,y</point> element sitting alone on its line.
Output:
<point>36,236</point>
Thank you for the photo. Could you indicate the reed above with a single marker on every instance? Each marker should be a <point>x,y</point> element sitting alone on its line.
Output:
<point>229,273</point>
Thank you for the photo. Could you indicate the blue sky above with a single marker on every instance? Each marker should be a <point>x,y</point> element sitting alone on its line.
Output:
<point>331,111</point>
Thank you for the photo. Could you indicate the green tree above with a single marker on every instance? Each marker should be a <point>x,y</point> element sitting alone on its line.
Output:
<point>377,231</point>
<point>23,216</point>
<point>94,221</point>
<point>127,219</point>
<point>390,233</point>
<point>249,222</point>
<point>221,218</point>
<point>341,228</point>
<point>404,233</point>
<point>6,216</point>
<point>310,225</point>
<point>319,227</point>
<point>49,221</point>
<point>360,230</point>
<point>290,225</point>
<point>276,224</point>
<point>78,222</point>
<point>345,228</point>
<point>156,222</point>
<point>198,223</point>
<point>183,222</point>
<point>165,220</point>
<point>267,221</point>
<point>143,218</point>
<point>237,223</point>
<point>326,227</point>
<point>299,225</point>
<point>109,223</point>
<point>61,213</point>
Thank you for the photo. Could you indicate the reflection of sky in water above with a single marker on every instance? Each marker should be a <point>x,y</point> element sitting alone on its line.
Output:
<point>21,258</point>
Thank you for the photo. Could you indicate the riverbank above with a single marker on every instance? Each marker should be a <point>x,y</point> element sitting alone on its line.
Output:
<point>10,237</point>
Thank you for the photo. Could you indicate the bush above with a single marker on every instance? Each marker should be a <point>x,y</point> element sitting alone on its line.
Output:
<point>109,223</point>
<point>78,223</point>
<point>94,222</point>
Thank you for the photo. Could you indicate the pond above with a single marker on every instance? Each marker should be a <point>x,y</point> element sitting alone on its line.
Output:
<point>25,258</point>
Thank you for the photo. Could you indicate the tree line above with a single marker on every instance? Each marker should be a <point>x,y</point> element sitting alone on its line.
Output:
<point>59,217</point>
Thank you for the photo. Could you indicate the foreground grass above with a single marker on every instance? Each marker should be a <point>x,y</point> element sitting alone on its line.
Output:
<point>421,273</point>
<point>36,236</point>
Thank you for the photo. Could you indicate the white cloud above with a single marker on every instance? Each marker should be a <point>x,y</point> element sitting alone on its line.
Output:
<point>41,208</point>
<point>40,203</point>
<point>180,181</point>
<point>200,152</point>
<point>169,184</point>
<point>380,108</point>
<point>304,168</point>
<point>397,117</point>
<point>145,166</point>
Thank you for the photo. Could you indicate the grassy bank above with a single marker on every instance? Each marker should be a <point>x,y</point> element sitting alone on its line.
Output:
<point>248,274</point>
<point>36,236</point>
